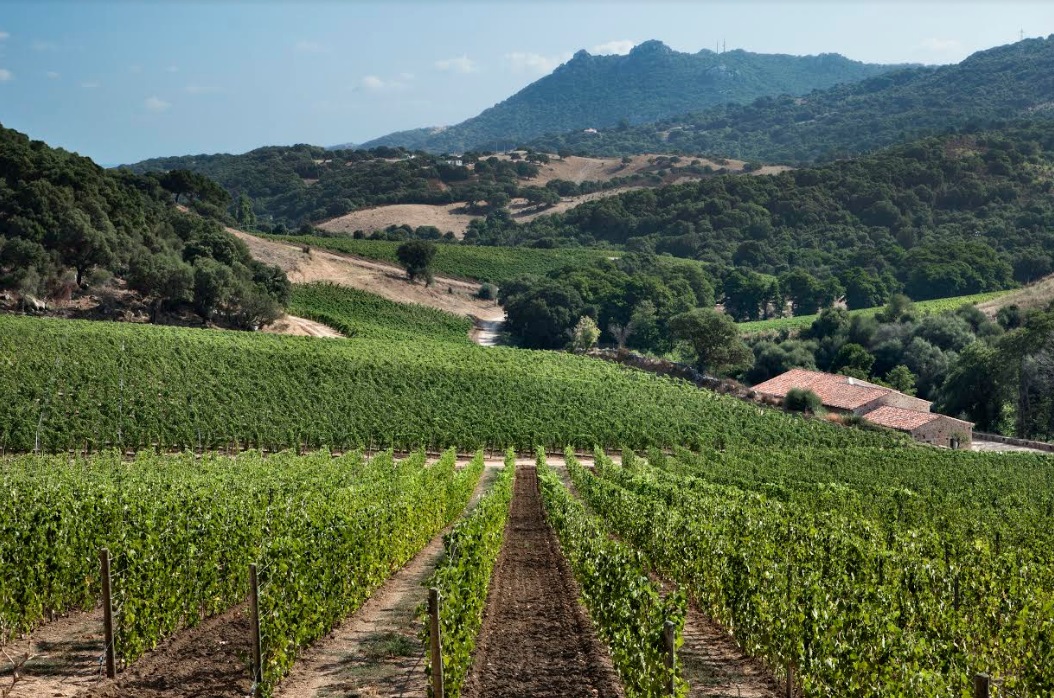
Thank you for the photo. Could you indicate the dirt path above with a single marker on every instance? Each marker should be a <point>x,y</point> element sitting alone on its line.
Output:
<point>536,640</point>
<point>386,280</point>
<point>63,658</point>
<point>715,666</point>
<point>300,327</point>
<point>378,651</point>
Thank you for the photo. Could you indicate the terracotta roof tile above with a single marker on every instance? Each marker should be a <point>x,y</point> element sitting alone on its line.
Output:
<point>900,418</point>
<point>836,391</point>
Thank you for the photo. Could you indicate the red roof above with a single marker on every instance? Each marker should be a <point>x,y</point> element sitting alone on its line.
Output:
<point>900,418</point>
<point>841,392</point>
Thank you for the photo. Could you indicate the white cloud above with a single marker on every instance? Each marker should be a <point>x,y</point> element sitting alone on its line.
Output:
<point>156,104</point>
<point>90,84</point>
<point>311,47</point>
<point>406,76</point>
<point>52,75</point>
<point>6,75</point>
<point>4,35</point>
<point>195,89</point>
<point>534,62</point>
<point>376,83</point>
<point>620,47</point>
<point>460,64</point>
<point>937,45</point>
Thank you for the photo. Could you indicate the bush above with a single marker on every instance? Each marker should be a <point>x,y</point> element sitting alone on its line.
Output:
<point>487,292</point>
<point>798,400</point>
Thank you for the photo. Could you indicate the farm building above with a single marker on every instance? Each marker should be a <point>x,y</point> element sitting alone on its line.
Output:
<point>875,403</point>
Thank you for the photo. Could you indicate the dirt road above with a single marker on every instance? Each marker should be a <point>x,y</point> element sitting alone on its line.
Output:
<point>537,639</point>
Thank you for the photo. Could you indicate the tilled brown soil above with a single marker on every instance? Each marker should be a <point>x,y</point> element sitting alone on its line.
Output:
<point>536,640</point>
<point>210,659</point>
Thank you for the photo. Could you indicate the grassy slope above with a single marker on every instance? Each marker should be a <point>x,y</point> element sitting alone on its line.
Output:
<point>136,385</point>
<point>800,322</point>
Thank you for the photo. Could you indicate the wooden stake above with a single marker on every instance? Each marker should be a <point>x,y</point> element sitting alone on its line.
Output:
<point>790,681</point>
<point>981,685</point>
<point>254,626</point>
<point>107,613</point>
<point>669,633</point>
<point>435,643</point>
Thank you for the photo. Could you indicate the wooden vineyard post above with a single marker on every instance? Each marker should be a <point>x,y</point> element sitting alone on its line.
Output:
<point>254,628</point>
<point>669,632</point>
<point>107,613</point>
<point>982,685</point>
<point>435,644</point>
<point>790,681</point>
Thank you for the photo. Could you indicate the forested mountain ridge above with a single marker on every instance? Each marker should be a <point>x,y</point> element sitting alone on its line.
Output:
<point>1003,83</point>
<point>70,229</point>
<point>652,82</point>
<point>944,216</point>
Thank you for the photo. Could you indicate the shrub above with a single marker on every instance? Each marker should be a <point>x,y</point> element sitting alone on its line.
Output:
<point>487,292</point>
<point>798,400</point>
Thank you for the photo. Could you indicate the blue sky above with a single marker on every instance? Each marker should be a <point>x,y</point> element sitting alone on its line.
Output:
<point>122,81</point>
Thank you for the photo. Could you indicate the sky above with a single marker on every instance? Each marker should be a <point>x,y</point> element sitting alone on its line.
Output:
<point>124,81</point>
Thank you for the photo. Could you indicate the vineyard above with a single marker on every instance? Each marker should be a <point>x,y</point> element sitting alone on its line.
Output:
<point>863,570</point>
<point>936,306</point>
<point>324,532</point>
<point>358,314</point>
<point>865,574</point>
<point>81,385</point>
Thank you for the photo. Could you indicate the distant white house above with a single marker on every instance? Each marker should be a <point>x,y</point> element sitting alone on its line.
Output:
<point>454,160</point>
<point>590,130</point>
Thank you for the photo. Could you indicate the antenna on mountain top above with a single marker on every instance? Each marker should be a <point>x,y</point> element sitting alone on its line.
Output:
<point>1022,33</point>
<point>724,45</point>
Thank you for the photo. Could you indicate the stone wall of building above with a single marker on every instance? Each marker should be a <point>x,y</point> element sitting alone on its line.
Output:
<point>943,431</point>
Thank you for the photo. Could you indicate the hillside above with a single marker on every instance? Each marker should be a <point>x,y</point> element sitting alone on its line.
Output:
<point>941,217</point>
<point>106,244</point>
<point>282,187</point>
<point>1004,83</point>
<point>190,388</point>
<point>652,82</point>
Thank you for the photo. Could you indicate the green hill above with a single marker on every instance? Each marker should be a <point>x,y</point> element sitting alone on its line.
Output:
<point>947,216</point>
<point>1003,83</point>
<point>652,82</point>
<point>69,227</point>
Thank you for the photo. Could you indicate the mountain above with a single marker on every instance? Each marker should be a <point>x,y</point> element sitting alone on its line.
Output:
<point>652,82</point>
<point>1000,84</point>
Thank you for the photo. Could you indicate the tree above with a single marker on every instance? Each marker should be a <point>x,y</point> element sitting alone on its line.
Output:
<point>416,258</point>
<point>244,214</point>
<point>714,339</point>
<point>854,360</point>
<point>901,378</point>
<point>586,334</point>
<point>540,317</point>
<point>214,287</point>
